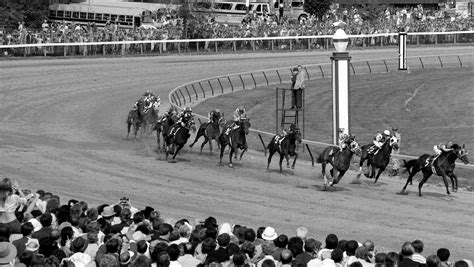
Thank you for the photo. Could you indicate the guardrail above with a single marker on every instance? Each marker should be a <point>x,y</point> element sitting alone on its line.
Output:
<point>284,43</point>
<point>194,92</point>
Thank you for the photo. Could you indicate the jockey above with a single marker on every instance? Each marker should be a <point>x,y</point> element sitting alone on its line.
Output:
<point>214,114</point>
<point>239,114</point>
<point>185,116</point>
<point>379,140</point>
<point>343,138</point>
<point>440,148</point>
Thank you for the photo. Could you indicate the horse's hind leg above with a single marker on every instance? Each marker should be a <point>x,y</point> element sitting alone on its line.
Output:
<point>270,155</point>
<point>409,181</point>
<point>287,157</point>
<point>129,125</point>
<point>203,143</point>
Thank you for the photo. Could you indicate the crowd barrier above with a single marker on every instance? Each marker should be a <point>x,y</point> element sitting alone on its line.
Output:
<point>194,92</point>
<point>285,43</point>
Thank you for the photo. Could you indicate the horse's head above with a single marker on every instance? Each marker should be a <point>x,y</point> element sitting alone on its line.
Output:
<point>393,142</point>
<point>461,152</point>
<point>245,125</point>
<point>297,133</point>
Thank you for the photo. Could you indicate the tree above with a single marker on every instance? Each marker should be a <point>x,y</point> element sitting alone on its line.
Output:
<point>32,12</point>
<point>317,7</point>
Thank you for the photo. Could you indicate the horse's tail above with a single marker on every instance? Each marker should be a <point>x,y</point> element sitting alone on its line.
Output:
<point>409,165</point>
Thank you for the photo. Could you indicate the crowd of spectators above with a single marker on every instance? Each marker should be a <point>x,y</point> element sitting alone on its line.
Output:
<point>38,229</point>
<point>414,19</point>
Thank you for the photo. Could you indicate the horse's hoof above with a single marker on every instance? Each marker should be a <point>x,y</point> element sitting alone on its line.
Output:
<point>231,166</point>
<point>292,167</point>
<point>448,193</point>
<point>455,190</point>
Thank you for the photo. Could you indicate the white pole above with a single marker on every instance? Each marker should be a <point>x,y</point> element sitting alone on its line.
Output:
<point>402,50</point>
<point>340,86</point>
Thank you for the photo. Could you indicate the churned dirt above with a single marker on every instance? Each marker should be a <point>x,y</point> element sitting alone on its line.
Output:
<point>62,129</point>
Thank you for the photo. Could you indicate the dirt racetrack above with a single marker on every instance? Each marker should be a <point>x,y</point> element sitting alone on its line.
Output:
<point>62,129</point>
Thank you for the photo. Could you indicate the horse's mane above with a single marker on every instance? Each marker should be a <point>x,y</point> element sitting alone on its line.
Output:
<point>456,147</point>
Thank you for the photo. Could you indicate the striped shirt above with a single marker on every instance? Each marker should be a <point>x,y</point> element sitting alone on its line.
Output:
<point>418,258</point>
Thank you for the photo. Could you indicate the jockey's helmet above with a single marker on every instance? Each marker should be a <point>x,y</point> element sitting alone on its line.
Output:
<point>188,109</point>
<point>148,93</point>
<point>394,129</point>
<point>217,110</point>
<point>386,132</point>
<point>341,130</point>
<point>241,109</point>
<point>449,144</point>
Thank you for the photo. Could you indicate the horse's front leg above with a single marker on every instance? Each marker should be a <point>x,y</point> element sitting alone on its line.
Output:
<point>243,151</point>
<point>281,161</point>
<point>445,180</point>
<point>338,178</point>
<point>361,162</point>
<point>232,151</point>
<point>379,173</point>
<point>287,157</point>
<point>454,181</point>
<point>178,148</point>
<point>323,171</point>
<point>223,145</point>
<point>294,161</point>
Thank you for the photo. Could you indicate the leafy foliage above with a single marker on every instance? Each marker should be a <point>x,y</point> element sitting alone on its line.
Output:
<point>32,12</point>
<point>317,7</point>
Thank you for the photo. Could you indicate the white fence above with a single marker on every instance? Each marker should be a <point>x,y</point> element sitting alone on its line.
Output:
<point>156,47</point>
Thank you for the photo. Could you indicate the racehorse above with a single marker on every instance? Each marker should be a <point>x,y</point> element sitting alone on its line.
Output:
<point>177,136</point>
<point>442,165</point>
<point>150,119</point>
<point>162,128</point>
<point>379,160</point>
<point>210,131</point>
<point>135,118</point>
<point>340,160</point>
<point>285,146</point>
<point>235,139</point>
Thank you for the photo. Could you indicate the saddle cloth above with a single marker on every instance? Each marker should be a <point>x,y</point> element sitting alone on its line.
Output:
<point>430,161</point>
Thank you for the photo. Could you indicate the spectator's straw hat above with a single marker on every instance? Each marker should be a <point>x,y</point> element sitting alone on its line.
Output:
<point>32,245</point>
<point>7,252</point>
<point>269,234</point>
<point>108,212</point>
<point>81,259</point>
